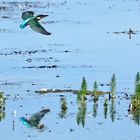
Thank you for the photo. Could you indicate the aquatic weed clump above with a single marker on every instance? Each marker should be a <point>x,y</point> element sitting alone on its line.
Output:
<point>135,99</point>
<point>113,85</point>
<point>2,106</point>
<point>63,104</point>
<point>63,110</point>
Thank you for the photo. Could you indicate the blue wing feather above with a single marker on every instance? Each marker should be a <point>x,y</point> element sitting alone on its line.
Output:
<point>24,23</point>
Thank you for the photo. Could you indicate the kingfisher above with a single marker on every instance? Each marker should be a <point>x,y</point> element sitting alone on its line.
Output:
<point>32,21</point>
<point>34,120</point>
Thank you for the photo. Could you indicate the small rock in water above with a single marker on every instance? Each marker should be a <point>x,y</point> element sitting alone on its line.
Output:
<point>71,130</point>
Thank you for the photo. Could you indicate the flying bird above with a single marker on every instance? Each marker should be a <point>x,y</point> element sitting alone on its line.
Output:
<point>32,21</point>
<point>34,120</point>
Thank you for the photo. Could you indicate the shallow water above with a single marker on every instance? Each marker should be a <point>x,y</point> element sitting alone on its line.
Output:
<point>82,44</point>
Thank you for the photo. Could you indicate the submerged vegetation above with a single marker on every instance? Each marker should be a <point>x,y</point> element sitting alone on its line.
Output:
<point>81,113</point>
<point>63,110</point>
<point>112,110</point>
<point>105,108</point>
<point>134,107</point>
<point>135,100</point>
<point>2,106</point>
<point>108,104</point>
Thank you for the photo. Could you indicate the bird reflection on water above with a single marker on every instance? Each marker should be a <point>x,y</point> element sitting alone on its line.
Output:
<point>34,120</point>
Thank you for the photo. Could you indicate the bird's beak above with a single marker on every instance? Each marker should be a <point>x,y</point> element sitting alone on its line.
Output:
<point>48,110</point>
<point>45,15</point>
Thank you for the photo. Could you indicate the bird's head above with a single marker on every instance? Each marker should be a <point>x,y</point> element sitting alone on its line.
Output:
<point>40,16</point>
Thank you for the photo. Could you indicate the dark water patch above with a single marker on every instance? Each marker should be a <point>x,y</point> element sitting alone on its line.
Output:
<point>17,51</point>
<point>81,66</point>
<point>130,32</point>
<point>42,67</point>
<point>16,5</point>
<point>12,10</point>
<point>11,6</point>
<point>104,84</point>
<point>6,83</point>
<point>5,17</point>
<point>65,51</point>
<point>20,52</point>
<point>56,66</point>
<point>3,8</point>
<point>50,22</point>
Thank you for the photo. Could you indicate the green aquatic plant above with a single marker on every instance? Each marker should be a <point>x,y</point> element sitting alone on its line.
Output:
<point>79,96</point>
<point>137,81</point>
<point>137,86</point>
<point>95,91</point>
<point>113,85</point>
<point>2,115</point>
<point>63,107</point>
<point>1,95</point>
<point>82,93</point>
<point>2,106</point>
<point>136,115</point>
<point>138,92</point>
<point>135,99</point>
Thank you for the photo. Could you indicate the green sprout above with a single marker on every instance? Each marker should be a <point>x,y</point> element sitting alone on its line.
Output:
<point>82,93</point>
<point>113,85</point>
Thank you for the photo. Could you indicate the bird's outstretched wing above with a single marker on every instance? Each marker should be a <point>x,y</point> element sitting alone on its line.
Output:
<point>25,22</point>
<point>28,14</point>
<point>36,118</point>
<point>34,24</point>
